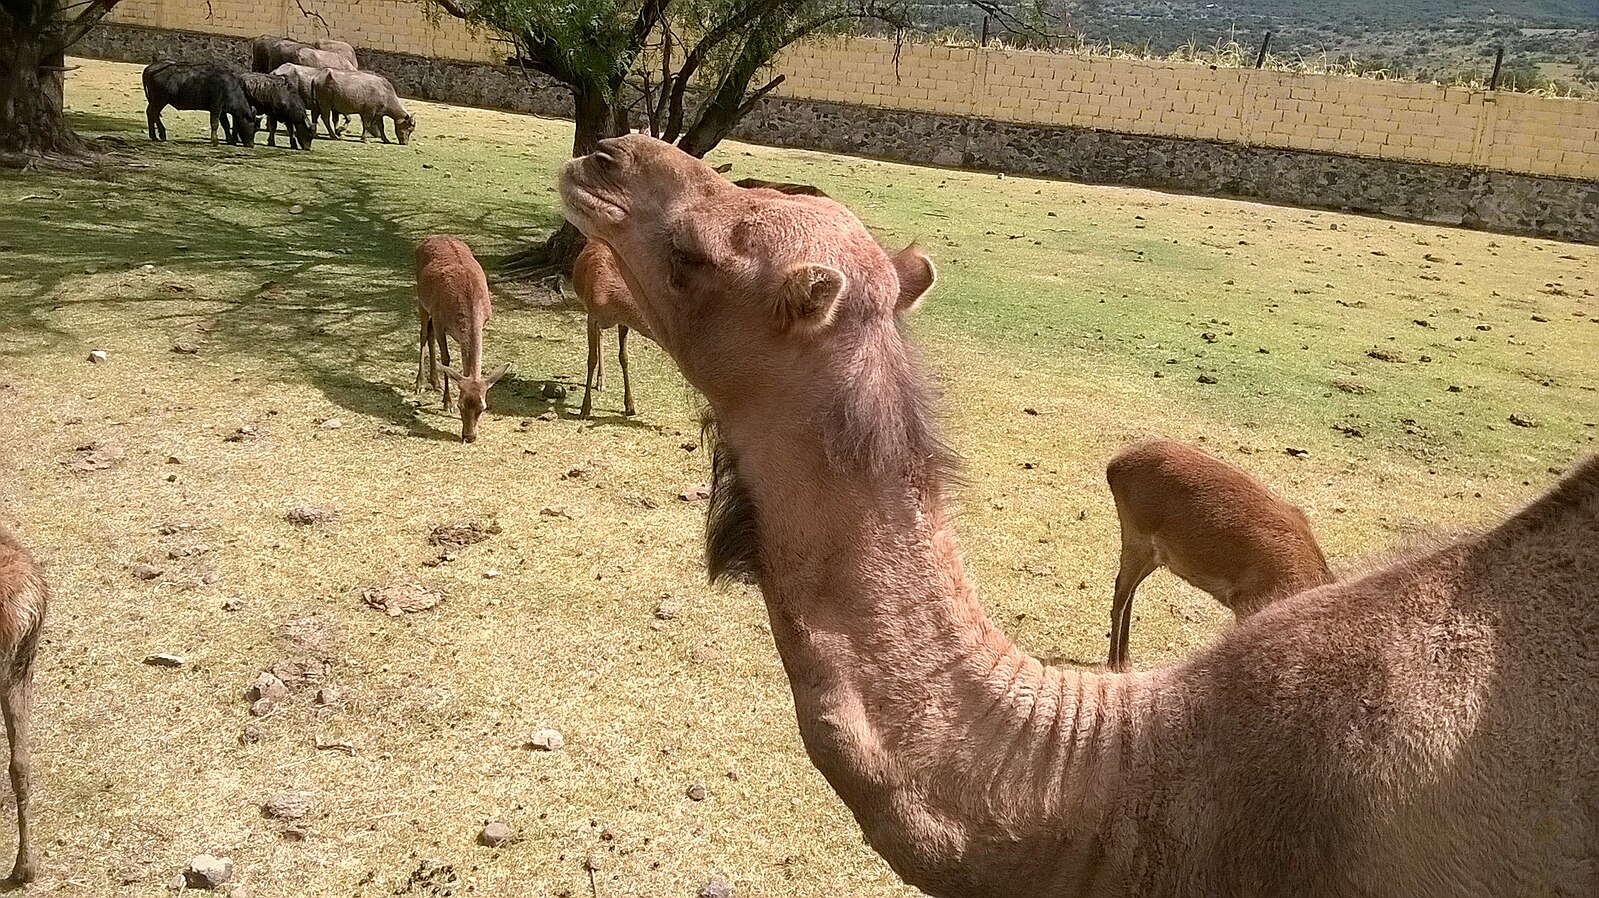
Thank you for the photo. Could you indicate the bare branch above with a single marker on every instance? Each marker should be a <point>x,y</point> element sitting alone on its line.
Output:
<point>756,97</point>
<point>85,21</point>
<point>453,8</point>
<point>312,14</point>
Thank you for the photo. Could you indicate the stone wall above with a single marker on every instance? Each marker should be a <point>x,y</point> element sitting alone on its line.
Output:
<point>1564,209</point>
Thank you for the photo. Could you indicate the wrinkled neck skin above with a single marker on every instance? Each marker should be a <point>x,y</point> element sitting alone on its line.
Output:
<point>946,740</point>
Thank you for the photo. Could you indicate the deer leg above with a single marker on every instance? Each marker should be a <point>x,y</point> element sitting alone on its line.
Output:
<point>424,347</point>
<point>595,364</point>
<point>444,356</point>
<point>1137,562</point>
<point>16,701</point>
<point>627,385</point>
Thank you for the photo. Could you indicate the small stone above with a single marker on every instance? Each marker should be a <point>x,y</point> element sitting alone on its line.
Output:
<point>1207,379</point>
<point>494,834</point>
<point>174,460</point>
<point>265,693</point>
<point>490,574</point>
<point>1209,337</point>
<point>1297,452</point>
<point>164,660</point>
<point>177,883</point>
<point>594,862</point>
<point>1029,411</point>
<point>296,209</point>
<point>716,887</point>
<point>1454,389</point>
<point>211,578</point>
<point>403,598</point>
<point>207,871</point>
<point>146,571</point>
<point>696,792</point>
<point>547,740</point>
<point>97,356</point>
<point>306,514</point>
<point>1522,421</point>
<point>233,605</point>
<point>666,611</point>
<point>547,416</point>
<point>184,347</point>
<point>289,805</point>
<point>244,434</point>
<point>327,696</point>
<point>554,392</point>
<point>251,734</point>
<point>695,494</point>
<point>331,424</point>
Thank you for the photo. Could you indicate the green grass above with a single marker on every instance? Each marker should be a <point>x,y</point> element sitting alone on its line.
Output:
<point>1058,305</point>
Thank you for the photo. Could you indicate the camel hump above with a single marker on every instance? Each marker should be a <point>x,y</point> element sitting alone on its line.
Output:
<point>1567,513</point>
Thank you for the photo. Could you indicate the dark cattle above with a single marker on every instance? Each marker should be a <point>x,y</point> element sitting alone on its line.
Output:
<point>275,97</point>
<point>193,85</point>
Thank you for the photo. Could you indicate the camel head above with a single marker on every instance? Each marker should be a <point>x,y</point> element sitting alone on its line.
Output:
<point>755,293</point>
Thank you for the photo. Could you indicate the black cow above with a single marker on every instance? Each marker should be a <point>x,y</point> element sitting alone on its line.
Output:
<point>274,97</point>
<point>198,85</point>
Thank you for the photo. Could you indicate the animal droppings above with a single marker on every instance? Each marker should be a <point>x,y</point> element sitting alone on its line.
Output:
<point>401,598</point>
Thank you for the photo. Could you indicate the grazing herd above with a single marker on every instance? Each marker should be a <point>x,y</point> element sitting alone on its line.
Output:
<point>290,83</point>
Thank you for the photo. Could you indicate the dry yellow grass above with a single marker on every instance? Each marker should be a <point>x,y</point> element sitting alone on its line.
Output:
<point>142,767</point>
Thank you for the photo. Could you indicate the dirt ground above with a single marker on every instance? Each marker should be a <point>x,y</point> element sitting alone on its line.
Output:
<point>247,483</point>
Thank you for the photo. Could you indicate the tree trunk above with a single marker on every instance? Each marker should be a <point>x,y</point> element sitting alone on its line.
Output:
<point>32,119</point>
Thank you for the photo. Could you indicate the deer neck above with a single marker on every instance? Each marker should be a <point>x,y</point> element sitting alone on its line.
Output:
<point>945,739</point>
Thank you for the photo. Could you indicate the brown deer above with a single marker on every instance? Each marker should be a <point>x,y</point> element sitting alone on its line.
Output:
<point>452,300</point>
<point>609,304</point>
<point>23,599</point>
<point>1213,525</point>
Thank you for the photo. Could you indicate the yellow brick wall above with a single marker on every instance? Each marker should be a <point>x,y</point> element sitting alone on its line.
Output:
<point>1362,117</point>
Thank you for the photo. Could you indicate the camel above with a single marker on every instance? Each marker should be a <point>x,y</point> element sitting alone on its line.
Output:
<point>23,601</point>
<point>1210,522</point>
<point>1429,728</point>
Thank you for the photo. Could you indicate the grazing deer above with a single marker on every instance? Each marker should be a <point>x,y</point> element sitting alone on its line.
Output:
<point>609,304</point>
<point>1212,525</point>
<point>452,299</point>
<point>23,598</point>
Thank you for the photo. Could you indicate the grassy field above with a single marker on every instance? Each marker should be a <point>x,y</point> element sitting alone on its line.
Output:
<point>1069,321</point>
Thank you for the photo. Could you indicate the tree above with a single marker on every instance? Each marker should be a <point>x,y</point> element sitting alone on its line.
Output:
<point>34,37</point>
<point>708,52</point>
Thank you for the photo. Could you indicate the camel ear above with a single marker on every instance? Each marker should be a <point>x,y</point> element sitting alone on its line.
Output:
<point>499,372</point>
<point>809,297</point>
<point>453,373</point>
<point>916,278</point>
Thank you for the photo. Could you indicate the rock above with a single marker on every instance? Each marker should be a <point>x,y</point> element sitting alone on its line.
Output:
<point>716,887</point>
<point>211,578</point>
<point>184,347</point>
<point>177,552</point>
<point>554,392</point>
<point>1522,421</point>
<point>1386,355</point>
<point>1297,452</point>
<point>1454,389</point>
<point>146,571</point>
<point>696,792</point>
<point>96,458</point>
<point>666,611</point>
<point>494,834</point>
<point>463,533</point>
<point>164,661</point>
<point>547,416</point>
<point>305,514</point>
<point>1207,379</point>
<point>547,740</point>
<point>695,494</point>
<point>490,574</point>
<point>289,805</point>
<point>251,734</point>
<point>244,434</point>
<point>174,460</point>
<point>401,598</point>
<point>331,424</point>
<point>208,871</point>
<point>97,356</point>
<point>1209,337</point>
<point>265,694</point>
<point>177,883</point>
<point>327,696</point>
<point>296,209</point>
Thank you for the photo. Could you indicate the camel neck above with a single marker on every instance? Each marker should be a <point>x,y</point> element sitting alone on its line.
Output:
<point>945,739</point>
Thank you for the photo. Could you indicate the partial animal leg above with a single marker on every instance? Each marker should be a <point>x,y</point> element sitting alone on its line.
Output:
<point>216,119</point>
<point>327,122</point>
<point>444,356</point>
<point>366,128</point>
<point>272,133</point>
<point>595,364</point>
<point>424,347</point>
<point>627,385</point>
<point>152,115</point>
<point>15,701</point>
<point>377,125</point>
<point>1138,562</point>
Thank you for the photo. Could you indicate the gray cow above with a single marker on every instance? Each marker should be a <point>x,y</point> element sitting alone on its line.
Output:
<point>366,94</point>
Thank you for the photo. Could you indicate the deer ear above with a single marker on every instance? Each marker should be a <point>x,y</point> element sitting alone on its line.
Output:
<point>499,372</point>
<point>916,278</point>
<point>809,297</point>
<point>454,374</point>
